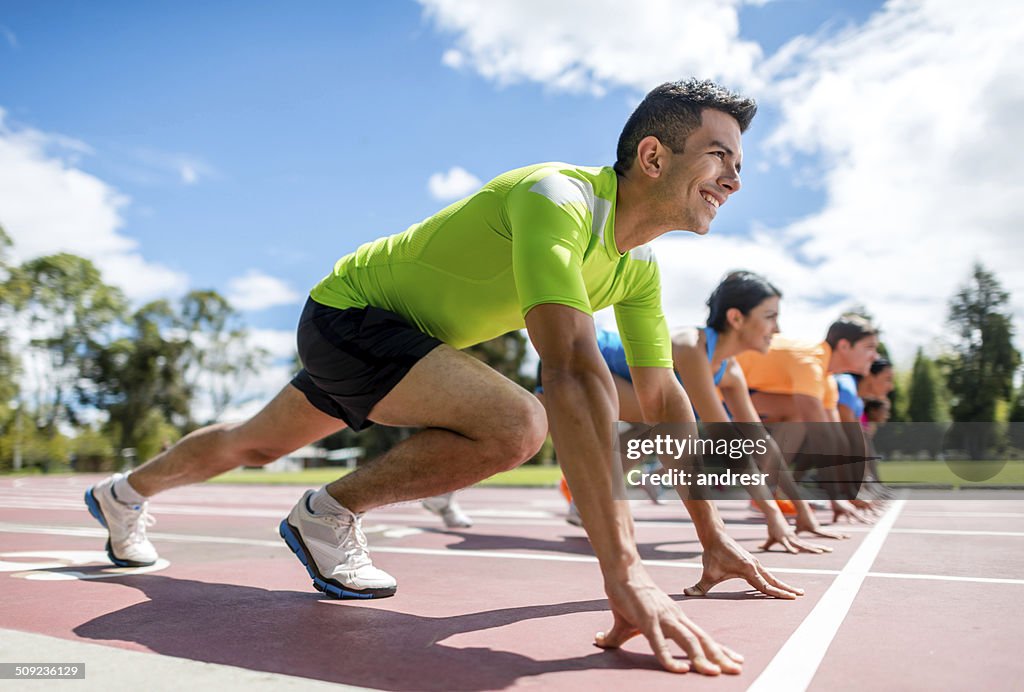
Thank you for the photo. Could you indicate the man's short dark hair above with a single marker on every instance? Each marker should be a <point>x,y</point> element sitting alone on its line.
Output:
<point>853,328</point>
<point>673,110</point>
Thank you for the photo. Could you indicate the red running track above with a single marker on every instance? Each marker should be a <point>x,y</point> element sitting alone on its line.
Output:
<point>930,598</point>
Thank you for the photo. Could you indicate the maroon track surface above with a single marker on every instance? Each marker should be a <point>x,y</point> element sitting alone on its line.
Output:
<point>514,601</point>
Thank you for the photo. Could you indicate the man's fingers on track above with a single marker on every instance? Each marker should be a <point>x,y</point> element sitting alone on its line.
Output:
<point>714,651</point>
<point>735,656</point>
<point>763,580</point>
<point>762,585</point>
<point>663,653</point>
<point>693,647</point>
<point>811,547</point>
<point>778,583</point>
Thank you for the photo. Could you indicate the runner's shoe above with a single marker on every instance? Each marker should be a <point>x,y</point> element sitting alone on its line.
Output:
<point>333,549</point>
<point>448,509</point>
<point>127,545</point>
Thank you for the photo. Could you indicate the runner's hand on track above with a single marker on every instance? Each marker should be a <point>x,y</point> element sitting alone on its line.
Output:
<point>780,532</point>
<point>867,507</point>
<point>725,559</point>
<point>841,509</point>
<point>809,523</point>
<point>640,607</point>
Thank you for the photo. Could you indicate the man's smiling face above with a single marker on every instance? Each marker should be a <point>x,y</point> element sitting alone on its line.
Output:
<point>701,178</point>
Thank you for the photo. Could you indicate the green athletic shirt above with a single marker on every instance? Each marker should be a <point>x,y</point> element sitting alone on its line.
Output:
<point>539,234</point>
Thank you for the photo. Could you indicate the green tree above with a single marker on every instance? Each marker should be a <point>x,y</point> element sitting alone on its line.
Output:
<point>8,362</point>
<point>1016,420</point>
<point>980,371</point>
<point>71,314</point>
<point>218,358</point>
<point>926,400</point>
<point>984,361</point>
<point>140,374</point>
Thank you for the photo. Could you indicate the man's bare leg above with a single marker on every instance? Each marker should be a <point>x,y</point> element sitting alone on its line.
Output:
<point>118,503</point>
<point>288,422</point>
<point>476,423</point>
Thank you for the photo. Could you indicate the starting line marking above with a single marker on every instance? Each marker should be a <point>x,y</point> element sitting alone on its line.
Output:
<point>794,666</point>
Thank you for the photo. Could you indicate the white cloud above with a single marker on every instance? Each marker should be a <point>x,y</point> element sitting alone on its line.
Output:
<point>12,40</point>
<point>260,387</point>
<point>915,119</point>
<point>456,183</point>
<point>256,291</point>
<point>186,168</point>
<point>48,205</point>
<point>279,342</point>
<point>259,390</point>
<point>588,46</point>
<point>911,121</point>
<point>189,176</point>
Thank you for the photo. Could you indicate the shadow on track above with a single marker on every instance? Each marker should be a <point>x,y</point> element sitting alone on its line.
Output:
<point>301,634</point>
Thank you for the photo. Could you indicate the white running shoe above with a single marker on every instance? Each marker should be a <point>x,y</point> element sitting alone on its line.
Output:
<point>573,515</point>
<point>448,509</point>
<point>127,545</point>
<point>333,549</point>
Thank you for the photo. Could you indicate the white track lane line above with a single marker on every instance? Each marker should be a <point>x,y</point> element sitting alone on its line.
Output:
<point>794,666</point>
<point>88,532</point>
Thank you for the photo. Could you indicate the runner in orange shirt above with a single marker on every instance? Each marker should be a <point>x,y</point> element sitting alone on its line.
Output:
<point>793,383</point>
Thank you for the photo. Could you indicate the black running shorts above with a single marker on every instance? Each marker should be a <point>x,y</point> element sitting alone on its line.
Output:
<point>353,357</point>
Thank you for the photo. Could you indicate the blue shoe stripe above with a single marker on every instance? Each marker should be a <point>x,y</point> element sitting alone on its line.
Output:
<point>331,590</point>
<point>94,508</point>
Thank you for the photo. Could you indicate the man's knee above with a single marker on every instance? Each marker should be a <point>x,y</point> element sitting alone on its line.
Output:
<point>240,449</point>
<point>521,434</point>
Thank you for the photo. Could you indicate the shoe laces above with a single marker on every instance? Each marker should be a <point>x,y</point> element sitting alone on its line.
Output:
<point>135,521</point>
<point>351,539</point>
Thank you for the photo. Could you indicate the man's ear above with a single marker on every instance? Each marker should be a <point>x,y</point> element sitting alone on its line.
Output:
<point>650,156</point>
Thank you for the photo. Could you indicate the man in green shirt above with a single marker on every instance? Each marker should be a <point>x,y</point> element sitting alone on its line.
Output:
<point>542,247</point>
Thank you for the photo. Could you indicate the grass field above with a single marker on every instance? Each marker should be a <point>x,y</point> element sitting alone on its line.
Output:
<point>925,472</point>
<point>532,476</point>
<point>941,473</point>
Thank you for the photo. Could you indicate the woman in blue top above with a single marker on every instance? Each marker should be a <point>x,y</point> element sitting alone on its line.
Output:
<point>743,315</point>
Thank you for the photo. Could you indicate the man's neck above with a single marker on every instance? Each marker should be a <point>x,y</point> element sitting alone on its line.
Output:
<point>834,365</point>
<point>634,225</point>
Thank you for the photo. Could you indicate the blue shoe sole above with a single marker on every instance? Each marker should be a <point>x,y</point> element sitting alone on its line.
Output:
<point>331,589</point>
<point>94,509</point>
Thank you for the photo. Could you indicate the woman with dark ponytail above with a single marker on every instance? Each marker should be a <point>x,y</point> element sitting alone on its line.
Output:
<point>743,316</point>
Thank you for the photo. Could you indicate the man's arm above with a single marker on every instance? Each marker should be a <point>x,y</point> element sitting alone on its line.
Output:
<point>581,405</point>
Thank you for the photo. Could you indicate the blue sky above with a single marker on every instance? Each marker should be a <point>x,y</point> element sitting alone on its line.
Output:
<point>245,146</point>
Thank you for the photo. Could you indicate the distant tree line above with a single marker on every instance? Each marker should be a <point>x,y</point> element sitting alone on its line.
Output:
<point>84,376</point>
